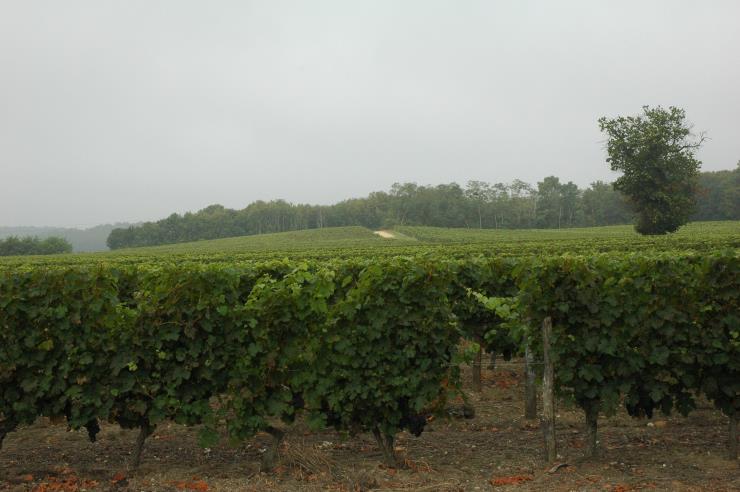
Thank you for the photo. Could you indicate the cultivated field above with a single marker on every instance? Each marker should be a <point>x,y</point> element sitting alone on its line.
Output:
<point>347,242</point>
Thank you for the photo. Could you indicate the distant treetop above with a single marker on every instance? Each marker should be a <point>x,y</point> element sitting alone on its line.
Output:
<point>29,245</point>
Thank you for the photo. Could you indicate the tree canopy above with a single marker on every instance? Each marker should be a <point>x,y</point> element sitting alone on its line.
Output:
<point>655,153</point>
<point>29,245</point>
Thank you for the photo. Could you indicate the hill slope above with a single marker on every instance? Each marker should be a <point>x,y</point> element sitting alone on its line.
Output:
<point>329,237</point>
<point>707,230</point>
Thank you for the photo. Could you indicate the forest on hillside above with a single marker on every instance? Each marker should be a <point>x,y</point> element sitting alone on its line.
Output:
<point>517,205</point>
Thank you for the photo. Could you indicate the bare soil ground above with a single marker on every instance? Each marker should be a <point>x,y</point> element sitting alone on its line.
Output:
<point>496,450</point>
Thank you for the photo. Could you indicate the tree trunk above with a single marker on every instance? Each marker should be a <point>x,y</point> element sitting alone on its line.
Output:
<point>560,214</point>
<point>592,416</point>
<point>733,446</point>
<point>477,363</point>
<point>269,459</point>
<point>548,399</point>
<point>530,388</point>
<point>385,443</point>
<point>92,427</point>
<point>144,432</point>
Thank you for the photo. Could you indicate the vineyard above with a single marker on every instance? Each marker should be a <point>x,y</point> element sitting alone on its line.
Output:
<point>359,242</point>
<point>341,331</point>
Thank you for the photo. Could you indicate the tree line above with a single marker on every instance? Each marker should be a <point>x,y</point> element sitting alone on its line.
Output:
<point>31,245</point>
<point>516,205</point>
<point>88,239</point>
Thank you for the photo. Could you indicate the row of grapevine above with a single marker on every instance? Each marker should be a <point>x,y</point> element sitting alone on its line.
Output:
<point>359,345</point>
<point>647,331</point>
<point>354,346</point>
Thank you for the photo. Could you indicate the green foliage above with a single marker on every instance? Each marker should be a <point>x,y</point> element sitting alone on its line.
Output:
<point>363,344</point>
<point>655,153</point>
<point>56,343</point>
<point>174,355</point>
<point>654,329</point>
<point>275,350</point>
<point>507,336</point>
<point>486,327</point>
<point>90,239</point>
<point>388,347</point>
<point>15,246</point>
<point>356,345</point>
<point>719,195</point>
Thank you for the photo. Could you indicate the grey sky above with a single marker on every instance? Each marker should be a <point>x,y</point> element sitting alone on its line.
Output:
<point>131,110</point>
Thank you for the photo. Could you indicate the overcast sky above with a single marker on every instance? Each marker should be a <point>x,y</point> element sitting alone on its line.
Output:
<point>131,110</point>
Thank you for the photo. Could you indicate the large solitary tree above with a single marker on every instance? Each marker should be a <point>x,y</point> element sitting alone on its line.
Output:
<point>655,152</point>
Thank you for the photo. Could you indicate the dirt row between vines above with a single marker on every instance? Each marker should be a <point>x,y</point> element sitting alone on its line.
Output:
<point>495,450</point>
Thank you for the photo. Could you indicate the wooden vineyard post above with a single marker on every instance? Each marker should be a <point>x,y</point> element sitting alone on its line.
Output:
<point>592,417</point>
<point>530,388</point>
<point>548,399</point>
<point>477,366</point>
<point>732,448</point>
